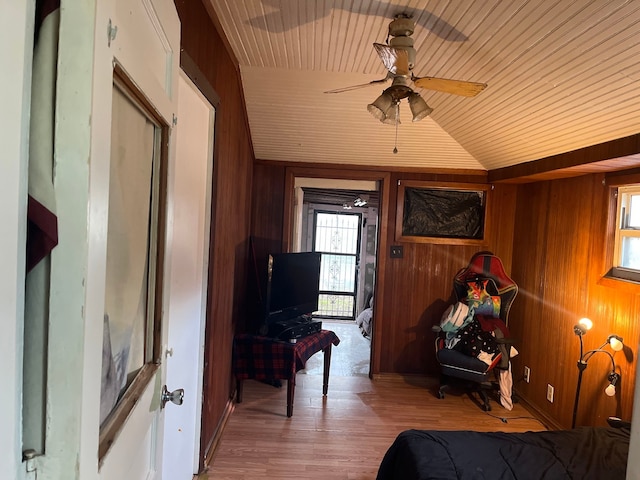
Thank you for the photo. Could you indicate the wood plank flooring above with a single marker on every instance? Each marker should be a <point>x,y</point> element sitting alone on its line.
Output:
<point>344,435</point>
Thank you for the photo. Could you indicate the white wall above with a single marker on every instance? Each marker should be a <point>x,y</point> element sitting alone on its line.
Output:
<point>16,27</point>
<point>336,183</point>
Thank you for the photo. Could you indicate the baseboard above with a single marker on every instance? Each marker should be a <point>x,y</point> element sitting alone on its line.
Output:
<point>542,417</point>
<point>215,441</point>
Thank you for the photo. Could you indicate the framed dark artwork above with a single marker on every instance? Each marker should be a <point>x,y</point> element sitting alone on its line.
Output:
<point>432,212</point>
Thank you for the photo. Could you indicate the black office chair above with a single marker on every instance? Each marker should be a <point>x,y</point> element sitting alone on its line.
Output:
<point>481,345</point>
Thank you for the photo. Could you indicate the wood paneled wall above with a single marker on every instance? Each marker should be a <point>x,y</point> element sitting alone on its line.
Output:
<point>266,237</point>
<point>558,260</point>
<point>231,209</point>
<point>551,238</point>
<point>417,288</point>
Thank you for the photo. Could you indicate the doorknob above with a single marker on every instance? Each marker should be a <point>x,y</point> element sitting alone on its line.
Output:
<point>174,397</point>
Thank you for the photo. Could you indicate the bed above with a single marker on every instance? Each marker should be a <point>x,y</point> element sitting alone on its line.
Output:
<point>581,453</point>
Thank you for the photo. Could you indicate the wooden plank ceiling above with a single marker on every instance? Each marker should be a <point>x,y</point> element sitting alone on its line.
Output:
<point>561,75</point>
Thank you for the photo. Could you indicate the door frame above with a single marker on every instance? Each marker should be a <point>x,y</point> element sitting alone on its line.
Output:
<point>207,445</point>
<point>384,187</point>
<point>17,23</point>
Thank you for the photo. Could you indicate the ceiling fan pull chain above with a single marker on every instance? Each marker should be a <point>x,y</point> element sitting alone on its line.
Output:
<point>395,147</point>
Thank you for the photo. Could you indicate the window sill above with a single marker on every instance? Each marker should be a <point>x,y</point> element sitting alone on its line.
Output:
<point>627,286</point>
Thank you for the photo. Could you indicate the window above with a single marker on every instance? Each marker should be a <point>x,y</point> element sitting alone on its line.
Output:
<point>135,254</point>
<point>626,258</point>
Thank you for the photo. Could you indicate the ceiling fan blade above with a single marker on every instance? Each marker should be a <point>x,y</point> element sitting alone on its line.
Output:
<point>362,85</point>
<point>456,87</point>
<point>395,59</point>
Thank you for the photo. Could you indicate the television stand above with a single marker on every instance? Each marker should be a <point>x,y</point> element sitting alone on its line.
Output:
<point>263,358</point>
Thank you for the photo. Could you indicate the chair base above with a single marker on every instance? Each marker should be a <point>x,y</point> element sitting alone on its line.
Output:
<point>481,389</point>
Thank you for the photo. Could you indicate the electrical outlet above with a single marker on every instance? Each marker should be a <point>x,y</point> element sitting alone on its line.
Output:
<point>550,391</point>
<point>527,374</point>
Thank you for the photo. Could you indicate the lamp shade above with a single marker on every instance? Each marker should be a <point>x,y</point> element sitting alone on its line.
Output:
<point>419,107</point>
<point>380,106</point>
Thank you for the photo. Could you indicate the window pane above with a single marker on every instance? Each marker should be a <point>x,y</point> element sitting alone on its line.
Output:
<point>337,273</point>
<point>126,317</point>
<point>336,233</point>
<point>634,214</point>
<point>335,305</point>
<point>630,256</point>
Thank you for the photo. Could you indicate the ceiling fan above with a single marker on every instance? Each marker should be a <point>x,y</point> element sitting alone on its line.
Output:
<point>398,56</point>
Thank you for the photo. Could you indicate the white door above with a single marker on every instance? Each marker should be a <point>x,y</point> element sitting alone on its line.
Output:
<point>190,218</point>
<point>137,43</point>
<point>16,22</point>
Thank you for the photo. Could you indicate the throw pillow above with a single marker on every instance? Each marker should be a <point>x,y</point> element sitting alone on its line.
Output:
<point>483,298</point>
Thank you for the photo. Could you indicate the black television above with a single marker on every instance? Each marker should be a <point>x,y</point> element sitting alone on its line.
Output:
<point>293,282</point>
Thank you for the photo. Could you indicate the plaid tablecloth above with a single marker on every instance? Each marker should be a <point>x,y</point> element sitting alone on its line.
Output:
<point>263,358</point>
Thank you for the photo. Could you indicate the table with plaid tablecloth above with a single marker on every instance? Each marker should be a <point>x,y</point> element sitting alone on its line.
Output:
<point>263,358</point>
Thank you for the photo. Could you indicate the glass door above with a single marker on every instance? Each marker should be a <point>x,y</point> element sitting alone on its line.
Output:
<point>337,238</point>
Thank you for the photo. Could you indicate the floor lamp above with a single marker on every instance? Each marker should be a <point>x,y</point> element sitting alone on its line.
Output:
<point>615,342</point>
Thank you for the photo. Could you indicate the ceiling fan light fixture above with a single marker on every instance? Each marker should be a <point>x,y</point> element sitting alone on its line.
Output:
<point>380,106</point>
<point>419,107</point>
<point>392,115</point>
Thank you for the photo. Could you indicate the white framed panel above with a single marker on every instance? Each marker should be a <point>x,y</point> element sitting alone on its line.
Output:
<point>154,28</point>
